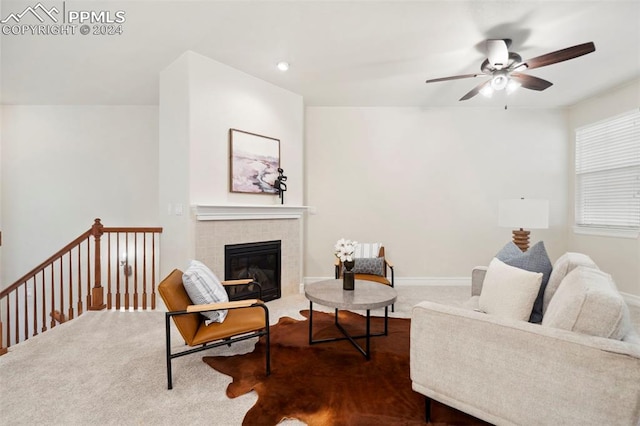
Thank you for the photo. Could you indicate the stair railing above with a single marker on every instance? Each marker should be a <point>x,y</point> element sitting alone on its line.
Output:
<point>70,281</point>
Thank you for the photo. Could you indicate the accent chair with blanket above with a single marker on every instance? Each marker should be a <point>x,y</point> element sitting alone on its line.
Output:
<point>579,366</point>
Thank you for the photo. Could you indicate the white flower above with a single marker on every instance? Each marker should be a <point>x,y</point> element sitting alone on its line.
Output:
<point>344,249</point>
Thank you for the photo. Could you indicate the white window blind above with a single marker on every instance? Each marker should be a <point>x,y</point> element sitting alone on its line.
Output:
<point>608,173</point>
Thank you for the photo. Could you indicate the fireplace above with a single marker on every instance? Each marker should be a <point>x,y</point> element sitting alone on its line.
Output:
<point>260,261</point>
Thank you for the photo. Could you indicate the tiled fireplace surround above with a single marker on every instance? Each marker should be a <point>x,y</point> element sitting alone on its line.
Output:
<point>217,226</point>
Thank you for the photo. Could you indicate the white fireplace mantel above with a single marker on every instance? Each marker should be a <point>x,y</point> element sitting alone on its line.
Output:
<point>247,212</point>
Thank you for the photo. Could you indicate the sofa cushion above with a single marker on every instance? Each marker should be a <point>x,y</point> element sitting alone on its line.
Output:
<point>509,292</point>
<point>203,287</point>
<point>565,264</point>
<point>587,301</point>
<point>371,266</point>
<point>535,259</point>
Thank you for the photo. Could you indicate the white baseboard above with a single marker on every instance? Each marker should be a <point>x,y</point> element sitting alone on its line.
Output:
<point>433,281</point>
<point>409,281</point>
<point>631,299</point>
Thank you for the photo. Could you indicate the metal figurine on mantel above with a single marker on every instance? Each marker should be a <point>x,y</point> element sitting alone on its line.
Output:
<point>280,184</point>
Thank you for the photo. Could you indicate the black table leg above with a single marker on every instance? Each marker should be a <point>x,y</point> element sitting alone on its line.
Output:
<point>366,351</point>
<point>386,320</point>
<point>310,322</point>
<point>368,354</point>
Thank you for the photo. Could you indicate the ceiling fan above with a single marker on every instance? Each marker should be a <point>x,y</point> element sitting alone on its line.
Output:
<point>505,68</point>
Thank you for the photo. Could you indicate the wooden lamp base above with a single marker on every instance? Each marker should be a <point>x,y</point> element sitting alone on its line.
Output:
<point>521,239</point>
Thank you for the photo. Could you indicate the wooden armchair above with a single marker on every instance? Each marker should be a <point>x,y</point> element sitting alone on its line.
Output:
<point>245,319</point>
<point>363,251</point>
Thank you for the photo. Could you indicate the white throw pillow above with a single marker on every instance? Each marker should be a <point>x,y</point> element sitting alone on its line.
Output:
<point>588,302</point>
<point>509,292</point>
<point>565,264</point>
<point>203,287</point>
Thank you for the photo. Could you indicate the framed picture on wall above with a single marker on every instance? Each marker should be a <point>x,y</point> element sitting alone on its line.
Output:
<point>254,162</point>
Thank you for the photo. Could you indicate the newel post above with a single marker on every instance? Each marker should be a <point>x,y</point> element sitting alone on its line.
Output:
<point>97,292</point>
<point>3,350</point>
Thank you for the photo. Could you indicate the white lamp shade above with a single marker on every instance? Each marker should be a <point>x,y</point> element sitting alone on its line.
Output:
<point>524,213</point>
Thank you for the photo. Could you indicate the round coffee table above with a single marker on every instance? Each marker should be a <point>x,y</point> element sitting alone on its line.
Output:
<point>366,295</point>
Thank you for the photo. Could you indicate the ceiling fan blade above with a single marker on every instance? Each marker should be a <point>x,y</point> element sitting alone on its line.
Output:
<point>475,90</point>
<point>497,53</point>
<point>531,82</point>
<point>560,55</point>
<point>455,77</point>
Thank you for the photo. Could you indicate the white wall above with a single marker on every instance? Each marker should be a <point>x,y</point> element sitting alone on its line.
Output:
<point>173,166</point>
<point>1,227</point>
<point>426,183</point>
<point>63,166</point>
<point>618,256</point>
<point>209,98</point>
<point>221,98</point>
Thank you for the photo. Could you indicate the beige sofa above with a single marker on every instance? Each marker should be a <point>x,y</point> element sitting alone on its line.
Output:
<point>511,372</point>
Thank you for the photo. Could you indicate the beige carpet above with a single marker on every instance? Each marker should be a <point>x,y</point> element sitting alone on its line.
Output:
<point>108,368</point>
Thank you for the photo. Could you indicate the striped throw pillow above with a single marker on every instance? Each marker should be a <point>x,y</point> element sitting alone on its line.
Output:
<point>367,250</point>
<point>203,287</point>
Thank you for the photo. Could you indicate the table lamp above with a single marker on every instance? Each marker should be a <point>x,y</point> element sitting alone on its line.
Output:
<point>523,214</point>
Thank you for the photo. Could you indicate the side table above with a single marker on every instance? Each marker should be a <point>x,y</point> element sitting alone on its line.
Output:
<point>367,295</point>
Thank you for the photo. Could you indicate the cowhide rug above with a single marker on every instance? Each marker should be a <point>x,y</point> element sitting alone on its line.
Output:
<point>332,383</point>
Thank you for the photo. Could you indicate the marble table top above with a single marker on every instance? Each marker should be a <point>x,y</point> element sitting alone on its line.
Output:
<point>366,294</point>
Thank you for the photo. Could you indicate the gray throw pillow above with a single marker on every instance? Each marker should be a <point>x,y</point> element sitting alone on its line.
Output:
<point>534,260</point>
<point>371,266</point>
<point>508,251</point>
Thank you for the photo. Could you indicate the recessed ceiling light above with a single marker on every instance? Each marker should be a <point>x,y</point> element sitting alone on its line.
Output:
<point>283,66</point>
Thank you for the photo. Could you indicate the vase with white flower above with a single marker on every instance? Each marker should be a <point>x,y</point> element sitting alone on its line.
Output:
<point>344,250</point>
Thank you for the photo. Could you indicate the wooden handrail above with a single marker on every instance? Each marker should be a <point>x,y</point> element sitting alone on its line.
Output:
<point>29,275</point>
<point>59,287</point>
<point>132,229</point>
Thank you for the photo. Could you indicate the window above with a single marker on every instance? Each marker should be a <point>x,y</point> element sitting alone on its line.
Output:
<point>608,174</point>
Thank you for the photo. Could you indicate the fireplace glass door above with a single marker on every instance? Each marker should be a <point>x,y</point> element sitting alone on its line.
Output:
<point>259,261</point>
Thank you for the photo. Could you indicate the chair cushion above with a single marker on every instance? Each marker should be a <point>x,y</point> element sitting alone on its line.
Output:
<point>535,259</point>
<point>203,288</point>
<point>238,321</point>
<point>565,264</point>
<point>375,278</point>
<point>509,292</point>
<point>371,266</point>
<point>587,301</point>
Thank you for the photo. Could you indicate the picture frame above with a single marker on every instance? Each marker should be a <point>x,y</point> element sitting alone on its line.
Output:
<point>253,162</point>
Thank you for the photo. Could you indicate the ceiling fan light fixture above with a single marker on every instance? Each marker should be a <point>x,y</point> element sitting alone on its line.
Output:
<point>512,86</point>
<point>486,91</point>
<point>500,80</point>
<point>502,66</point>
